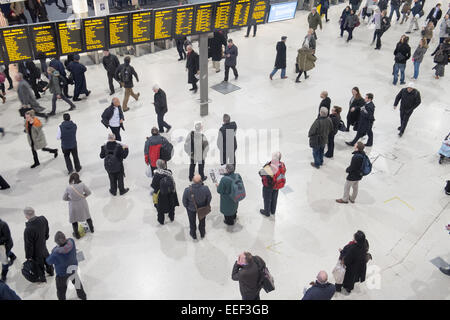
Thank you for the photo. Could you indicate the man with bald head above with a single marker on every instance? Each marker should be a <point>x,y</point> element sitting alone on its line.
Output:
<point>113,118</point>
<point>196,196</point>
<point>321,289</point>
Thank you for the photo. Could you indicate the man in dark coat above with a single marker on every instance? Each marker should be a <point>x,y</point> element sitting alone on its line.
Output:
<point>160,102</point>
<point>226,141</point>
<point>125,73</point>
<point>402,53</point>
<point>231,53</point>
<point>321,289</point>
<point>114,153</point>
<point>250,25</point>
<point>247,271</point>
<point>78,70</point>
<point>395,6</point>
<point>410,100</point>
<point>31,74</point>
<point>216,45</point>
<point>180,47</point>
<point>110,63</point>
<point>365,122</point>
<point>56,64</point>
<point>35,236</point>
<point>113,118</point>
<point>163,185</point>
<point>355,4</point>
<point>280,60</point>
<point>435,14</point>
<point>67,131</point>
<point>318,136</point>
<point>326,101</point>
<point>6,240</point>
<point>192,67</point>
<point>201,194</point>
<point>354,174</point>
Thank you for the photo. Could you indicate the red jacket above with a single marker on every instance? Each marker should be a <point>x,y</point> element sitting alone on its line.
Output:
<point>152,149</point>
<point>278,180</point>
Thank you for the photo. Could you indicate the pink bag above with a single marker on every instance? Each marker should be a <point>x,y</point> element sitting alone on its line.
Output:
<point>2,77</point>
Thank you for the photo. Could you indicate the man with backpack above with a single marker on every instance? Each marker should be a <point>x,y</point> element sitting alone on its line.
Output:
<point>113,118</point>
<point>359,167</point>
<point>125,73</point>
<point>410,100</point>
<point>196,146</point>
<point>156,147</point>
<point>114,153</point>
<point>55,84</point>
<point>247,270</point>
<point>231,190</point>
<point>273,179</point>
<point>160,102</point>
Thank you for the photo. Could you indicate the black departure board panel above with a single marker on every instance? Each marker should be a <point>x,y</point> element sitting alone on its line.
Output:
<point>259,12</point>
<point>141,27</point>
<point>184,21</point>
<point>17,44</point>
<point>223,15</point>
<point>94,31</point>
<point>163,24</point>
<point>241,13</point>
<point>119,30</point>
<point>204,15</point>
<point>44,39</point>
<point>70,40</point>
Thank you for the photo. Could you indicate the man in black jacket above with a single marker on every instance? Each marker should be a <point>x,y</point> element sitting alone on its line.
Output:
<point>280,60</point>
<point>125,73</point>
<point>31,74</point>
<point>35,237</point>
<point>365,122</point>
<point>192,67</point>
<point>113,118</point>
<point>435,14</point>
<point>410,99</point>
<point>77,71</point>
<point>321,289</point>
<point>354,174</point>
<point>226,141</point>
<point>6,240</point>
<point>326,102</point>
<point>160,102</point>
<point>114,153</point>
<point>202,196</point>
<point>111,63</point>
<point>402,53</point>
<point>67,132</point>
<point>247,272</point>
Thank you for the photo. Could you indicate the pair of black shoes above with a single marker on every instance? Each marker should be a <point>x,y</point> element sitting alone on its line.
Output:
<point>121,192</point>
<point>194,235</point>
<point>264,213</point>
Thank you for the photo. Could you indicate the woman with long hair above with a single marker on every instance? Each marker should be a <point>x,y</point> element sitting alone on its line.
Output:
<point>355,104</point>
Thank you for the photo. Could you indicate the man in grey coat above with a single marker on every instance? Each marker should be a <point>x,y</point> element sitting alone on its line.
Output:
<point>26,97</point>
<point>201,194</point>
<point>318,136</point>
<point>444,26</point>
<point>231,52</point>
<point>54,84</point>
<point>196,146</point>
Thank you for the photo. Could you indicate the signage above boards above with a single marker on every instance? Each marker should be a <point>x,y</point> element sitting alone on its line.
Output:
<point>49,39</point>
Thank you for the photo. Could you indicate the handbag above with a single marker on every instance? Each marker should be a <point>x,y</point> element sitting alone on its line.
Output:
<point>30,270</point>
<point>148,171</point>
<point>339,273</point>
<point>202,212</point>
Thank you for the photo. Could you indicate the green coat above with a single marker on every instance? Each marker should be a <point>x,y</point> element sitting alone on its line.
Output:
<point>53,83</point>
<point>314,21</point>
<point>305,59</point>
<point>36,133</point>
<point>227,206</point>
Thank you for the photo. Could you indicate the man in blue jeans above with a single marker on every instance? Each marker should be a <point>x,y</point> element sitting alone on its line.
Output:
<point>280,60</point>
<point>395,6</point>
<point>402,53</point>
<point>318,136</point>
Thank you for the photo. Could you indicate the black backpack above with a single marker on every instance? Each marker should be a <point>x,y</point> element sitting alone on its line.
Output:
<point>111,163</point>
<point>126,74</point>
<point>30,271</point>
<point>166,151</point>
<point>439,57</point>
<point>166,185</point>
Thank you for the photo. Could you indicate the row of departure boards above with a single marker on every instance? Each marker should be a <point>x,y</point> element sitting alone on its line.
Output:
<point>29,42</point>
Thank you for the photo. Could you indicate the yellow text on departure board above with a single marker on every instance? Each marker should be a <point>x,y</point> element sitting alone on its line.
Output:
<point>223,15</point>
<point>16,44</point>
<point>118,30</point>
<point>141,27</point>
<point>259,11</point>
<point>184,20</point>
<point>241,12</point>
<point>93,29</point>
<point>163,24</point>
<point>70,37</point>
<point>203,18</point>
<point>44,39</point>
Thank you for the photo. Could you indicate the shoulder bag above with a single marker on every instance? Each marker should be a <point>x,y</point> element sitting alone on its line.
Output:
<point>202,212</point>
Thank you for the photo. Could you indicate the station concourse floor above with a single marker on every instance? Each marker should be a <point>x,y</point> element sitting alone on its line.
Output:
<point>401,207</point>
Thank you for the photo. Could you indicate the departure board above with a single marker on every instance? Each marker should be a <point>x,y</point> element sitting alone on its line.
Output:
<point>94,30</point>
<point>259,12</point>
<point>163,24</point>
<point>184,21</point>
<point>70,40</point>
<point>222,15</point>
<point>44,39</point>
<point>203,18</point>
<point>241,13</point>
<point>17,44</point>
<point>119,31</point>
<point>141,27</point>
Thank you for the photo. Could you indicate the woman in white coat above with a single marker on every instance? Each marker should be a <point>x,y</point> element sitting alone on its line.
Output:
<point>76,194</point>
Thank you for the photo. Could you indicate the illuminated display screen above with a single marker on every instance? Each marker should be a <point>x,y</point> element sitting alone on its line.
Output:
<point>184,21</point>
<point>204,18</point>
<point>222,15</point>
<point>17,44</point>
<point>259,12</point>
<point>44,39</point>
<point>141,27</point>
<point>163,24</point>
<point>119,31</point>
<point>94,34</point>
<point>70,40</point>
<point>282,11</point>
<point>241,13</point>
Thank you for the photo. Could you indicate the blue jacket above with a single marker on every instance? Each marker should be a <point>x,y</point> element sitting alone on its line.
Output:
<point>320,291</point>
<point>418,6</point>
<point>58,65</point>
<point>64,257</point>
<point>6,293</point>
<point>68,135</point>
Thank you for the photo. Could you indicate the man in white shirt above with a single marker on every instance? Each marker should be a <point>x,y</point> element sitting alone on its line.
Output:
<point>113,118</point>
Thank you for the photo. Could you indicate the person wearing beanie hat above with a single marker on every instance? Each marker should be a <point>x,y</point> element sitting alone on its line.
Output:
<point>77,70</point>
<point>410,99</point>
<point>64,257</point>
<point>280,60</point>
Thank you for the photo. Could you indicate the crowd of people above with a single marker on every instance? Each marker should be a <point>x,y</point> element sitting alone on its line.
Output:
<point>249,270</point>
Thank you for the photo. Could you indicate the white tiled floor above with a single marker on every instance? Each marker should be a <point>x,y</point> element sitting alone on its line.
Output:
<point>131,257</point>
